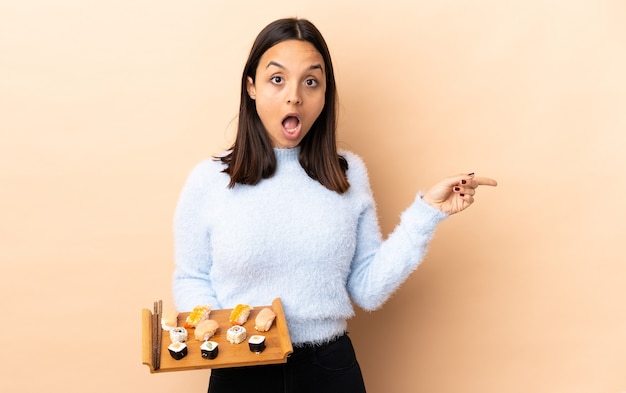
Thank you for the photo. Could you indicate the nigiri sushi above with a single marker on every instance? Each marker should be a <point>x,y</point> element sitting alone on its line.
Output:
<point>264,319</point>
<point>197,315</point>
<point>239,315</point>
<point>169,319</point>
<point>206,329</point>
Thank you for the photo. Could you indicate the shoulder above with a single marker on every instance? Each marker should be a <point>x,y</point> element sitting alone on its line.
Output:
<point>207,171</point>
<point>351,156</point>
<point>209,166</point>
<point>357,170</point>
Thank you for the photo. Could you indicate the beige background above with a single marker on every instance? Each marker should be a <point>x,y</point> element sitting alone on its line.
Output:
<point>106,105</point>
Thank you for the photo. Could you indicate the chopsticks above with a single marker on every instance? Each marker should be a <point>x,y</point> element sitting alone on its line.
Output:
<point>157,334</point>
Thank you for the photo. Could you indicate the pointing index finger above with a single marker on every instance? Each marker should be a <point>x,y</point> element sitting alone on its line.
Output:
<point>485,181</point>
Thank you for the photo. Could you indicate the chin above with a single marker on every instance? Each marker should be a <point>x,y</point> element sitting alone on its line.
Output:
<point>288,145</point>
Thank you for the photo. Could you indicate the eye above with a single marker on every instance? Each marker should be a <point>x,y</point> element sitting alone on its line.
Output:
<point>277,79</point>
<point>311,82</point>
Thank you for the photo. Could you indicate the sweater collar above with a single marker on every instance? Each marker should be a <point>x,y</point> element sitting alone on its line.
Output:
<point>287,154</point>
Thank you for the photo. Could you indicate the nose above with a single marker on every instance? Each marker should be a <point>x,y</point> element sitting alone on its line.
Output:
<point>293,96</point>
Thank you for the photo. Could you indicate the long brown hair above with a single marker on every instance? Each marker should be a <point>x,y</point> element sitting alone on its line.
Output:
<point>252,158</point>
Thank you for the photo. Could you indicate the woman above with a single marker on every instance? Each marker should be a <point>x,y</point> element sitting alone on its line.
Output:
<point>284,214</point>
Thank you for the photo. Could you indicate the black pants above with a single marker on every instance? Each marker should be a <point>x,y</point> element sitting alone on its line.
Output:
<point>329,368</point>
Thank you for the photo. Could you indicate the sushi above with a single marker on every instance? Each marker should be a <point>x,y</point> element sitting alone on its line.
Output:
<point>264,320</point>
<point>205,330</point>
<point>169,319</point>
<point>209,349</point>
<point>197,315</point>
<point>178,335</point>
<point>257,343</point>
<point>236,334</point>
<point>178,350</point>
<point>239,315</point>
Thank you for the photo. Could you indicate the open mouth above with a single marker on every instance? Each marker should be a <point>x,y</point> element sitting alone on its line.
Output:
<point>291,123</point>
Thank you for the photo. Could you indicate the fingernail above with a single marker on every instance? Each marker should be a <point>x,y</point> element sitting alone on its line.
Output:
<point>457,188</point>
<point>463,181</point>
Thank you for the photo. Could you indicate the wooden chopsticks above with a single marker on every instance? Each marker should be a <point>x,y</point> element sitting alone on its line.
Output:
<point>157,334</point>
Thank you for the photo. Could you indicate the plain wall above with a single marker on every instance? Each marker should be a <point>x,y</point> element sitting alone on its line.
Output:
<point>105,106</point>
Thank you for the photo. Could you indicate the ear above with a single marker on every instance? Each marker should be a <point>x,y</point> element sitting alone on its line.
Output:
<point>250,88</point>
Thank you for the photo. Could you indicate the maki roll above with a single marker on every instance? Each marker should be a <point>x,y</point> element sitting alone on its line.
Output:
<point>178,335</point>
<point>257,343</point>
<point>178,350</point>
<point>209,349</point>
<point>236,334</point>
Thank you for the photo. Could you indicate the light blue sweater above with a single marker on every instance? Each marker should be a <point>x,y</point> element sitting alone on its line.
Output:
<point>290,237</point>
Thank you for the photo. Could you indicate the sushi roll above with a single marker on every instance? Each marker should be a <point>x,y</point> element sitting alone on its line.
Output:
<point>197,315</point>
<point>236,334</point>
<point>264,320</point>
<point>205,330</point>
<point>239,315</point>
<point>169,319</point>
<point>257,343</point>
<point>178,335</point>
<point>178,350</point>
<point>209,349</point>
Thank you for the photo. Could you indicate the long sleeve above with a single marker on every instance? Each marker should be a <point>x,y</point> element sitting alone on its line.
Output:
<point>380,267</point>
<point>192,280</point>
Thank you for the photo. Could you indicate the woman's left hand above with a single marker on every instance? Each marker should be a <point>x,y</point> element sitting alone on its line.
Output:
<point>455,193</point>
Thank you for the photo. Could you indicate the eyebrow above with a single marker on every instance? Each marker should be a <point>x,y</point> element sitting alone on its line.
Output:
<point>311,68</point>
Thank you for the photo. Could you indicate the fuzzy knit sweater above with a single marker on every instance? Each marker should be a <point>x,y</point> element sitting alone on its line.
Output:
<point>292,238</point>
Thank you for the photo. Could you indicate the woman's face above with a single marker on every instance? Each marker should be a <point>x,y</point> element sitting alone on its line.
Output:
<point>289,91</point>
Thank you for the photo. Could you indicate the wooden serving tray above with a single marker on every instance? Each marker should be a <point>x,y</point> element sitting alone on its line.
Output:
<point>157,357</point>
